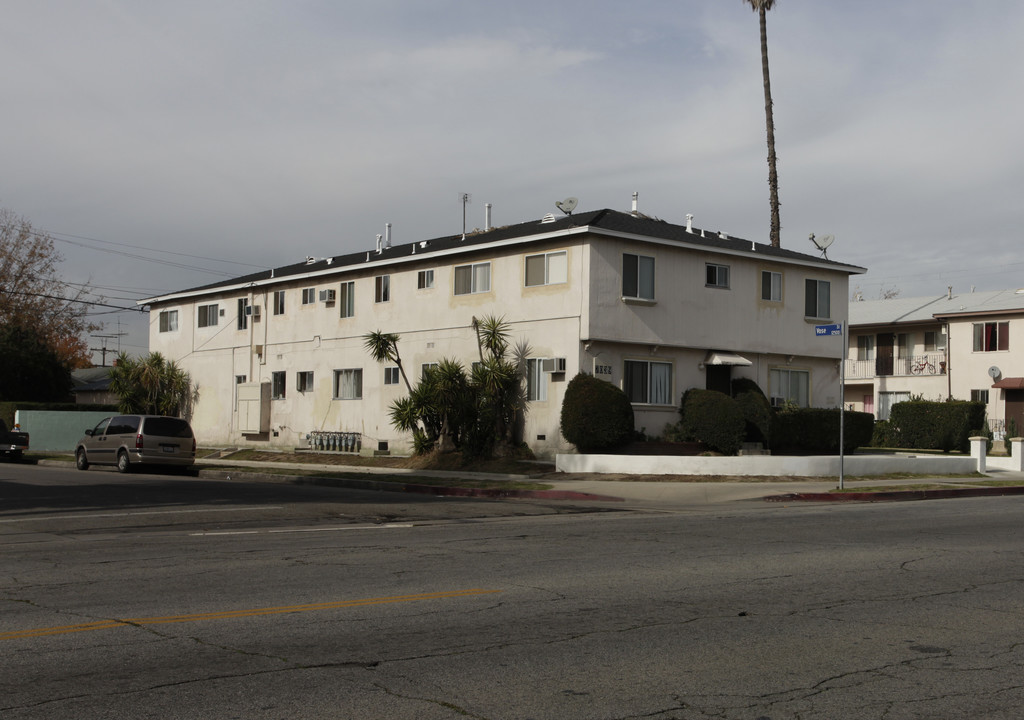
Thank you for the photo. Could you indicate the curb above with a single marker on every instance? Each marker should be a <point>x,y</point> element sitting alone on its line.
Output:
<point>897,495</point>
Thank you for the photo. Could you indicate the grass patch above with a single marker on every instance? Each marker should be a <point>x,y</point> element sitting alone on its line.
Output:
<point>410,479</point>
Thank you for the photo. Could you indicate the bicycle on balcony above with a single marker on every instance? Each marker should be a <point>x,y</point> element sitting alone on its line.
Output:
<point>921,366</point>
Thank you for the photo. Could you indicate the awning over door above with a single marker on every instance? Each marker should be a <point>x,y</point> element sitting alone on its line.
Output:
<point>723,358</point>
<point>1015,383</point>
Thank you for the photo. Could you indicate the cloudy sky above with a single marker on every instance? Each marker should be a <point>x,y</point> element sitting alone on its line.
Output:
<point>167,145</point>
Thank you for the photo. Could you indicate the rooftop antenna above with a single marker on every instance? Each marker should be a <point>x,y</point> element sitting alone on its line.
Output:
<point>567,205</point>
<point>822,243</point>
<point>464,198</point>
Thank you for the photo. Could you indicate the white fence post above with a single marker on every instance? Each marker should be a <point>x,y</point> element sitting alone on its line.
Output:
<point>1017,454</point>
<point>979,446</point>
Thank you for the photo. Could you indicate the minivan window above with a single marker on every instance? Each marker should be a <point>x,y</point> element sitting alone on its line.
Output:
<point>123,425</point>
<point>167,427</point>
<point>100,427</point>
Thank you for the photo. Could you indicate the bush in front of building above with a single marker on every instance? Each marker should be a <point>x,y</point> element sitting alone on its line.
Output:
<point>757,411</point>
<point>596,415</point>
<point>931,425</point>
<point>713,418</point>
<point>815,431</point>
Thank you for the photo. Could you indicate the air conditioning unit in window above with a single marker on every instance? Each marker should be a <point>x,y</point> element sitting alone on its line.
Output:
<point>327,296</point>
<point>553,365</point>
<point>252,310</point>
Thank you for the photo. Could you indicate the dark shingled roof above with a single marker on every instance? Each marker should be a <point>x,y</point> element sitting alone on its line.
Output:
<point>611,221</point>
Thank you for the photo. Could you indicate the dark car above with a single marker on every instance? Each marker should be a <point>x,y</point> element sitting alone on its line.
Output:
<point>128,441</point>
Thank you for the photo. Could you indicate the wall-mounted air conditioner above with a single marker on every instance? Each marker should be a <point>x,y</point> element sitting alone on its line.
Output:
<point>252,310</point>
<point>327,296</point>
<point>257,349</point>
<point>553,365</point>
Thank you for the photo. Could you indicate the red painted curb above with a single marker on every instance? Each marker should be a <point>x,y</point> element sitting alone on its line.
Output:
<point>897,495</point>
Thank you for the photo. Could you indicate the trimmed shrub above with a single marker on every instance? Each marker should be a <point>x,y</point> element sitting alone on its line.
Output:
<point>757,416</point>
<point>714,419</point>
<point>596,415</point>
<point>930,425</point>
<point>815,431</point>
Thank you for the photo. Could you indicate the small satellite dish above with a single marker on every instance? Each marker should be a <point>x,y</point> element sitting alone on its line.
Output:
<point>822,243</point>
<point>567,205</point>
<point>994,372</point>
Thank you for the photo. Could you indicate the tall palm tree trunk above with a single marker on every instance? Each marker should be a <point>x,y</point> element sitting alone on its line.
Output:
<point>773,176</point>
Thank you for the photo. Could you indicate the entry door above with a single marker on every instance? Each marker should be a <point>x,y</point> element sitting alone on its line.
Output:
<point>719,377</point>
<point>883,360</point>
<point>1015,409</point>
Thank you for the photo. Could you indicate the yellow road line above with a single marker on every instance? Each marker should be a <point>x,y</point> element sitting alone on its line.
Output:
<point>227,614</point>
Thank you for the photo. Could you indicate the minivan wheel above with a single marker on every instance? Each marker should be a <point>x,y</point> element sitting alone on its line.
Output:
<point>81,461</point>
<point>123,465</point>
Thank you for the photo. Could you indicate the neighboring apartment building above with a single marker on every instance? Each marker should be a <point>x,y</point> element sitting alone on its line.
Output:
<point>967,346</point>
<point>653,307</point>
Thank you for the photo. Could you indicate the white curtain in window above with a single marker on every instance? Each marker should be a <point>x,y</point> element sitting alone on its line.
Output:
<point>482,277</point>
<point>661,384</point>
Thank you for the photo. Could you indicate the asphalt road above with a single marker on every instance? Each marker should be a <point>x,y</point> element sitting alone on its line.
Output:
<point>154,597</point>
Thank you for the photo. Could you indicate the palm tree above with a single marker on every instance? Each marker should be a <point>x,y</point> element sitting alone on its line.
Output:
<point>761,7</point>
<point>384,346</point>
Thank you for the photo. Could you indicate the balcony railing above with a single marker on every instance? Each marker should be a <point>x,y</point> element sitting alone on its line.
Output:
<point>917,365</point>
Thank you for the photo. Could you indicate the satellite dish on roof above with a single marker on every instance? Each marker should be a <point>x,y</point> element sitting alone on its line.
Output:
<point>567,205</point>
<point>823,243</point>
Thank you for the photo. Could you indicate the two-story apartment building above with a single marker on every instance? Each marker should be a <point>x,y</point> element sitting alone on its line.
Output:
<point>653,307</point>
<point>964,346</point>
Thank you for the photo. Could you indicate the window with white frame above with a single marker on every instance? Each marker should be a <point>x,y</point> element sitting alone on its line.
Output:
<point>304,381</point>
<point>886,399</point>
<point>427,367</point>
<point>279,302</point>
<point>308,296</point>
<point>637,277</point>
<point>817,298</point>
<point>771,286</point>
<point>647,382</point>
<point>168,320</point>
<point>789,386</point>
<point>348,384</point>
<point>277,384</point>
<point>546,268</point>
<point>470,279</point>
<point>424,279</point>
<point>243,316</point>
<point>979,396</point>
<point>716,275</point>
<point>934,341</point>
<point>991,336</point>
<point>866,347</point>
<point>536,380</point>
<point>391,375</point>
<point>207,315</point>
<point>347,301</point>
<point>382,289</point>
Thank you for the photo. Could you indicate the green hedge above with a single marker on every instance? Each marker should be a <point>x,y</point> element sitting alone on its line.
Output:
<point>815,431</point>
<point>928,425</point>
<point>596,415</point>
<point>714,419</point>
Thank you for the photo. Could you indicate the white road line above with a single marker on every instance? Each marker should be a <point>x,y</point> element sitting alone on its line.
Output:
<point>304,530</point>
<point>89,516</point>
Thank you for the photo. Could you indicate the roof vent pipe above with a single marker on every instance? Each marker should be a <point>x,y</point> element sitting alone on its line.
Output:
<point>689,222</point>
<point>949,292</point>
<point>636,202</point>
<point>487,217</point>
<point>379,238</point>
<point>387,235</point>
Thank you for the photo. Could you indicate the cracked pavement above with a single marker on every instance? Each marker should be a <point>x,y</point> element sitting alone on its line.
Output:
<point>753,612</point>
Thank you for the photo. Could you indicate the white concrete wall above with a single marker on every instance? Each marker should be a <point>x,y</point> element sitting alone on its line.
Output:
<point>764,465</point>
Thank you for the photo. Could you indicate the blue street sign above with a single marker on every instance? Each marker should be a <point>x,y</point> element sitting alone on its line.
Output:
<point>836,329</point>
